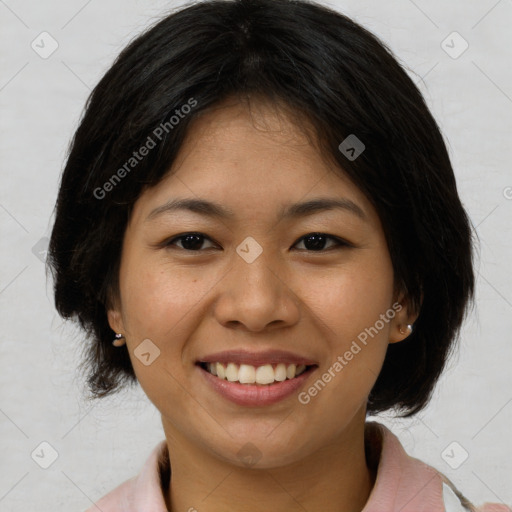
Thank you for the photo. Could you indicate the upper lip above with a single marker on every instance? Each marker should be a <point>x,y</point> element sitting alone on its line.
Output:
<point>242,356</point>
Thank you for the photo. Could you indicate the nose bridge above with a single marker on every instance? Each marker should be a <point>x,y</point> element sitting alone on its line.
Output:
<point>254,270</point>
<point>250,251</point>
<point>253,293</point>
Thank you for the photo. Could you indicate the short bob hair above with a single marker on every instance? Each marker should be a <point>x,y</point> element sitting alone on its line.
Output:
<point>329,71</point>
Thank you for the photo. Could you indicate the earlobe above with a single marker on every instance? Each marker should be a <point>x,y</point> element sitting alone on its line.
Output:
<point>400,331</point>
<point>402,325</point>
<point>405,330</point>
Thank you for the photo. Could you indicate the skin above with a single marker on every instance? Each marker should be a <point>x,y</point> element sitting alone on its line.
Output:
<point>311,302</point>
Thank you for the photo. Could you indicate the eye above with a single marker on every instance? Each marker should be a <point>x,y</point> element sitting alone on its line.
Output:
<point>313,242</point>
<point>190,241</point>
<point>316,241</point>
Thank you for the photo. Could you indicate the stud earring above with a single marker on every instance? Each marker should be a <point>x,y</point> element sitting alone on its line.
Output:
<point>406,331</point>
<point>119,341</point>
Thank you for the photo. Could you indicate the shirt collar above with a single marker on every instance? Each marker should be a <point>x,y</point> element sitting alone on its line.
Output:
<point>402,483</point>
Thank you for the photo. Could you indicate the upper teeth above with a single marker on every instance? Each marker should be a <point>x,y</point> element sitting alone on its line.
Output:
<point>248,374</point>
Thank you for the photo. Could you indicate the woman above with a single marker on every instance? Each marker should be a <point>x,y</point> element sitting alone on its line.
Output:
<point>335,277</point>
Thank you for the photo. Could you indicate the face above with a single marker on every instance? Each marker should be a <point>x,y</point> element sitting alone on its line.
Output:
<point>271,282</point>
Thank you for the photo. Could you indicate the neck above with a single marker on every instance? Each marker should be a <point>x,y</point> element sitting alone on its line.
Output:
<point>332,479</point>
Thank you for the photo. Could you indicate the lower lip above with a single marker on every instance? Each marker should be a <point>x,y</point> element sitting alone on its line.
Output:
<point>253,394</point>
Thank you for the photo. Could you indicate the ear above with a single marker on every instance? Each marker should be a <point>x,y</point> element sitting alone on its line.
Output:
<point>405,316</point>
<point>115,321</point>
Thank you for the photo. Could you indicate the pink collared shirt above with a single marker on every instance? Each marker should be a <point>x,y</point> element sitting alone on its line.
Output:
<point>403,483</point>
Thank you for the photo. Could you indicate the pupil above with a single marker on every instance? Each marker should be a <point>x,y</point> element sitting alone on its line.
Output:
<point>318,242</point>
<point>192,242</point>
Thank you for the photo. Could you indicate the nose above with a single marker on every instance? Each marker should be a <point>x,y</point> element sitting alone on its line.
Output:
<point>256,297</point>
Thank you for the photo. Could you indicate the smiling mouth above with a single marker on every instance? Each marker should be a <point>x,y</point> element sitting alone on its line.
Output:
<point>264,375</point>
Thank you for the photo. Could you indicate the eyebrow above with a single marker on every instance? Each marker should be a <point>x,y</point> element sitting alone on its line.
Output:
<point>297,210</point>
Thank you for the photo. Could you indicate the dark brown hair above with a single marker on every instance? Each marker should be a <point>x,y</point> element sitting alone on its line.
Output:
<point>318,63</point>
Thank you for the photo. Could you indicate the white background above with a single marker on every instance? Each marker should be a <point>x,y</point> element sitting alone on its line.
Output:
<point>100,445</point>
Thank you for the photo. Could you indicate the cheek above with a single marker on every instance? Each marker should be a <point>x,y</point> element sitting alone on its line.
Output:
<point>164,305</point>
<point>355,350</point>
<point>359,313</point>
<point>159,304</point>
<point>156,298</point>
<point>350,301</point>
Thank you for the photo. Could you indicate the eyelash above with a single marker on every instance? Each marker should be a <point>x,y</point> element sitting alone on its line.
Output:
<point>340,242</point>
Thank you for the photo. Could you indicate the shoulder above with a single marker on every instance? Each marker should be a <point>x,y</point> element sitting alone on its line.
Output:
<point>408,484</point>
<point>455,501</point>
<point>117,500</point>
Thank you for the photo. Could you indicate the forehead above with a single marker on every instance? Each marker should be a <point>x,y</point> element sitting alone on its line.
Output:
<point>255,139</point>
<point>251,158</point>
